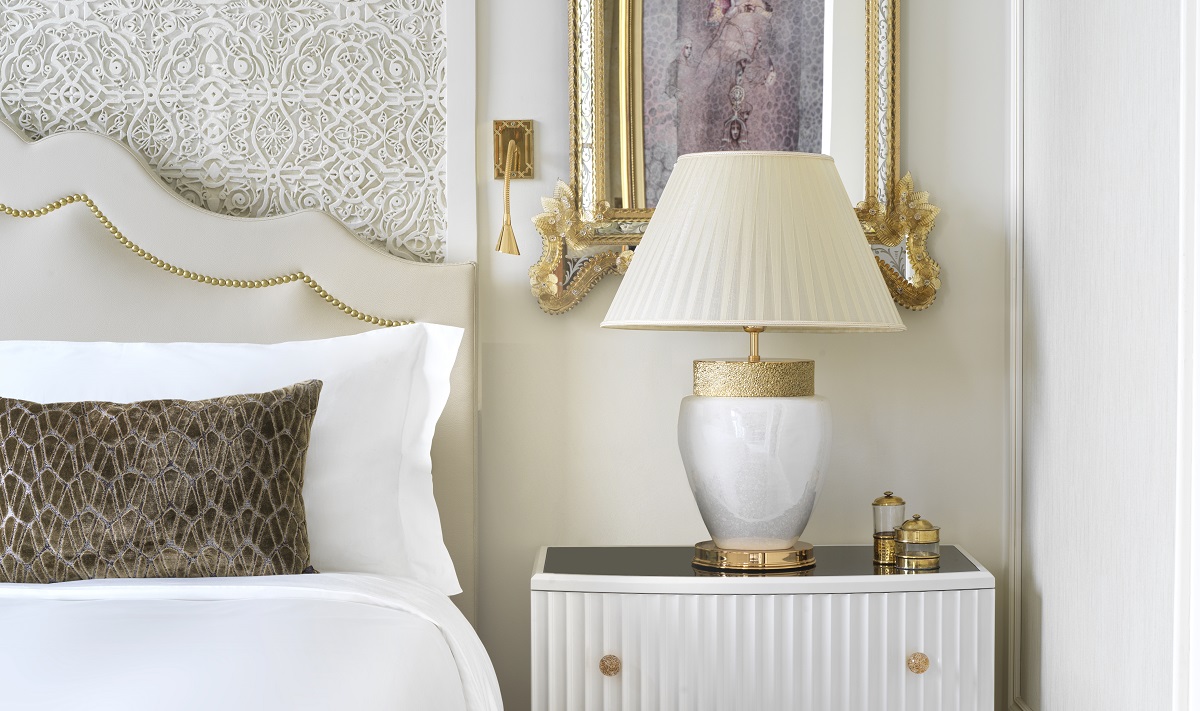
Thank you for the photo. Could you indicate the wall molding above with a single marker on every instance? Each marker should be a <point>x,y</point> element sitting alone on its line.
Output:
<point>1016,238</point>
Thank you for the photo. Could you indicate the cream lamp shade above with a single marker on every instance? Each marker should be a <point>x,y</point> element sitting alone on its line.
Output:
<point>759,239</point>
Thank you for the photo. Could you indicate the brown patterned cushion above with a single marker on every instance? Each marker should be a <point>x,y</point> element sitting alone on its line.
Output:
<point>155,489</point>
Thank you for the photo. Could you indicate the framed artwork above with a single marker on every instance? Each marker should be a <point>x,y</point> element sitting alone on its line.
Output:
<point>722,75</point>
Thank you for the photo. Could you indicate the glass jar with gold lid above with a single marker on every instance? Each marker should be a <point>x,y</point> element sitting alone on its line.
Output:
<point>888,512</point>
<point>918,545</point>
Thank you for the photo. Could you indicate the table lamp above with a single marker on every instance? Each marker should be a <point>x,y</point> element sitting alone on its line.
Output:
<point>754,241</point>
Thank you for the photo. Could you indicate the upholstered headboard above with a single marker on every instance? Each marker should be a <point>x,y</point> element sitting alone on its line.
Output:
<point>63,276</point>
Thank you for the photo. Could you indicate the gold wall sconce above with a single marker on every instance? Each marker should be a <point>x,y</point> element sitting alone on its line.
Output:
<point>512,159</point>
<point>521,133</point>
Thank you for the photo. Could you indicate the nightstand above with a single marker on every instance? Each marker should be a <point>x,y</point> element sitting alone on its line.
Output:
<point>636,628</point>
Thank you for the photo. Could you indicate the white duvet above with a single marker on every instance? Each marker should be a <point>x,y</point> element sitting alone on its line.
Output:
<point>328,641</point>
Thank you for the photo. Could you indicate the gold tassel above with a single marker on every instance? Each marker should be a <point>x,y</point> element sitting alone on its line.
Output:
<point>508,240</point>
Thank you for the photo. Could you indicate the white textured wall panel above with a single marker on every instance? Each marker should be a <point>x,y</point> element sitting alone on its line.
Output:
<point>1101,166</point>
<point>252,107</point>
<point>796,652</point>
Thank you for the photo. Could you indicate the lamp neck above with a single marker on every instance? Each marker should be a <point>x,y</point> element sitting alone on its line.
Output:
<point>754,331</point>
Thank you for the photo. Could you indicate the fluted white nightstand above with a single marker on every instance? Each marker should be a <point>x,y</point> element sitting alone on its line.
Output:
<point>635,628</point>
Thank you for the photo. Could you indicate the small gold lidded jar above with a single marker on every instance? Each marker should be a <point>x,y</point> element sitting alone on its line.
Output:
<point>918,545</point>
<point>889,514</point>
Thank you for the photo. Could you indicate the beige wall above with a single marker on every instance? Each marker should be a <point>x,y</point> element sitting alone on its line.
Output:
<point>578,424</point>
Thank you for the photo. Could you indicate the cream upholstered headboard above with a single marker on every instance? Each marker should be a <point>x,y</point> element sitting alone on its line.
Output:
<point>63,276</point>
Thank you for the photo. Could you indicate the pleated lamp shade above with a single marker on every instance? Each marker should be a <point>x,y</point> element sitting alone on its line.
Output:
<point>754,239</point>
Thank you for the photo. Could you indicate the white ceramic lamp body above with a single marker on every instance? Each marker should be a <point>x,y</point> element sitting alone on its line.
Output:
<point>756,465</point>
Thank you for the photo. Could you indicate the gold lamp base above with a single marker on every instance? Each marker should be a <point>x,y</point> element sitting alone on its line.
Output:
<point>710,558</point>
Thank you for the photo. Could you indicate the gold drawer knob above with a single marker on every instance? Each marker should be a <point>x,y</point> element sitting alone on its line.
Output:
<point>918,663</point>
<point>610,665</point>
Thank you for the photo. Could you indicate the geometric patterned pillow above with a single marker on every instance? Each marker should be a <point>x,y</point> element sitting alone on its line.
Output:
<point>155,489</point>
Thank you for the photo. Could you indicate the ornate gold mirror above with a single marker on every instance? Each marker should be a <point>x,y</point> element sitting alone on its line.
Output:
<point>653,79</point>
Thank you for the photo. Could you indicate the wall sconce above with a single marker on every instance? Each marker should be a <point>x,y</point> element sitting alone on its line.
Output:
<point>512,157</point>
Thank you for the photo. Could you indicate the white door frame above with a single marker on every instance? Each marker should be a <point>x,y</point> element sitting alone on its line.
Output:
<point>1016,307</point>
<point>1186,641</point>
<point>1185,674</point>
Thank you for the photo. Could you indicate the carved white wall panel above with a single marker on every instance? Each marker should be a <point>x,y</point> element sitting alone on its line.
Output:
<point>252,107</point>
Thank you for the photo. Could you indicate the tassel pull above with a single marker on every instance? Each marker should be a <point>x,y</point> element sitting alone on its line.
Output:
<point>507,244</point>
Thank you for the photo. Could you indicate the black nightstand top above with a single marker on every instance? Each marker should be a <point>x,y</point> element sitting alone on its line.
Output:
<point>676,561</point>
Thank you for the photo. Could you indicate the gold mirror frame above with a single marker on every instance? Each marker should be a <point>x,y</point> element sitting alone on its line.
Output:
<point>585,239</point>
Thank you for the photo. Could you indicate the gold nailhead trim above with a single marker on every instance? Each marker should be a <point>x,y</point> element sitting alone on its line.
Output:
<point>193,276</point>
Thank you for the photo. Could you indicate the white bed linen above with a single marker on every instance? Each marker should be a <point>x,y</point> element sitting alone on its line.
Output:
<point>328,641</point>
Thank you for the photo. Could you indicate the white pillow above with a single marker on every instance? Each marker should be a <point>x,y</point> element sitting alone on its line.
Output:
<point>368,488</point>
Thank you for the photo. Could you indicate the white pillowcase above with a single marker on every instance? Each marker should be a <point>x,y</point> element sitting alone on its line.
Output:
<point>368,487</point>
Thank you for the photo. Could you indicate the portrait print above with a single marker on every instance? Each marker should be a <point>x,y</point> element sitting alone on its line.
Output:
<point>729,75</point>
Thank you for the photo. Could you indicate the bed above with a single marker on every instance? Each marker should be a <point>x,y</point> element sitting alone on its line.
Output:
<point>119,258</point>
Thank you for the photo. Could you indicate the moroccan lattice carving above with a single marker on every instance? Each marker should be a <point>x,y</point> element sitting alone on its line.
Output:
<point>251,107</point>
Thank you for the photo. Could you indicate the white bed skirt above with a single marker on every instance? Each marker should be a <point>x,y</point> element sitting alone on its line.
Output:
<point>328,641</point>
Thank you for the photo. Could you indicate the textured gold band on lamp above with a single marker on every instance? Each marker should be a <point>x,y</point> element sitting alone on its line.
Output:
<point>798,557</point>
<point>763,378</point>
<point>193,276</point>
